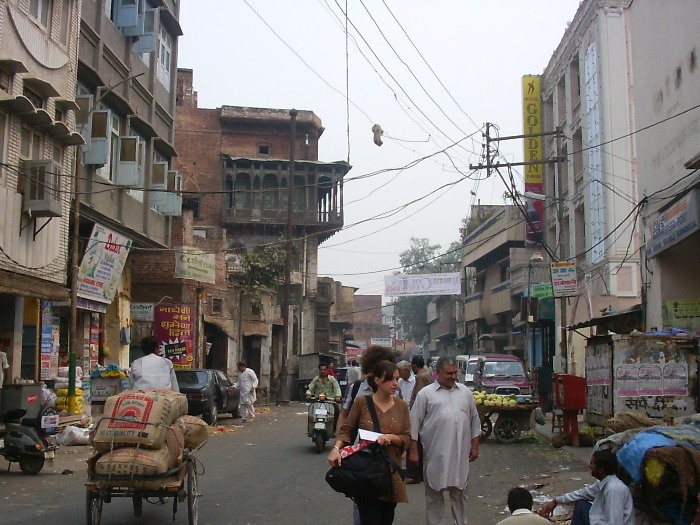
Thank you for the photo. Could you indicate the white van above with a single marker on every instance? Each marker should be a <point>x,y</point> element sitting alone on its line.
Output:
<point>462,361</point>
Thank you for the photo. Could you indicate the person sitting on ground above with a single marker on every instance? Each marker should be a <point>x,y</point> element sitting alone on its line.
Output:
<point>608,501</point>
<point>520,507</point>
<point>153,371</point>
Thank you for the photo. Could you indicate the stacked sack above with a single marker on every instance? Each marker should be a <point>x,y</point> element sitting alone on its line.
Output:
<point>146,437</point>
<point>61,388</point>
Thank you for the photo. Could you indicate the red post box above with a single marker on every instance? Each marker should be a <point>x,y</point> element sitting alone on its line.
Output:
<point>569,391</point>
<point>570,397</point>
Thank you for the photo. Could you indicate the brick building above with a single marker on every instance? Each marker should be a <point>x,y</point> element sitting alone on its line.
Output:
<point>235,169</point>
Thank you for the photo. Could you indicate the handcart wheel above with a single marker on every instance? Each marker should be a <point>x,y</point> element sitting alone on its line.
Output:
<point>192,493</point>
<point>138,505</point>
<point>486,428</point>
<point>93,500</point>
<point>506,430</point>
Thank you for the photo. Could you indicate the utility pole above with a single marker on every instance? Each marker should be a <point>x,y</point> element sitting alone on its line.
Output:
<point>563,347</point>
<point>283,392</point>
<point>75,255</point>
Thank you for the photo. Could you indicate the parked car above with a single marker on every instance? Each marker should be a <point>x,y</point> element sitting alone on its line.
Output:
<point>209,393</point>
<point>501,374</point>
<point>472,364</point>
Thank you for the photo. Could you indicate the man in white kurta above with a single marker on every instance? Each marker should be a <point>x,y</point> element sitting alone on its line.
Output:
<point>153,371</point>
<point>444,415</point>
<point>246,384</point>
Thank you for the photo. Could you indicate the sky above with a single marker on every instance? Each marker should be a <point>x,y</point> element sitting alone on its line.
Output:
<point>431,74</point>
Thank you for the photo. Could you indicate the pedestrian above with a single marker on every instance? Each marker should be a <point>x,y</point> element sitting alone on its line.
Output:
<point>394,421</point>
<point>520,507</point>
<point>445,418</point>
<point>423,377</point>
<point>331,369</point>
<point>153,371</point>
<point>246,384</point>
<point>3,366</point>
<point>373,355</point>
<point>608,501</point>
<point>406,380</point>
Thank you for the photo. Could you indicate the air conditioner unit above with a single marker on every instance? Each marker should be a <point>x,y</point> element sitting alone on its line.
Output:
<point>159,181</point>
<point>42,184</point>
<point>129,168</point>
<point>100,139</point>
<point>173,199</point>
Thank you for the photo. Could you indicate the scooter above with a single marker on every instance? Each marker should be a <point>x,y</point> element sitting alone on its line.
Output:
<point>322,414</point>
<point>29,441</point>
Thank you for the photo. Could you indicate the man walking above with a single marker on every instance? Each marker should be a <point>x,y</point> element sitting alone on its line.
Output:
<point>607,502</point>
<point>423,377</point>
<point>246,384</point>
<point>445,418</point>
<point>407,381</point>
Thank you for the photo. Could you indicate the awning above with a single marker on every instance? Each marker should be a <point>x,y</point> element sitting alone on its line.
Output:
<point>142,126</point>
<point>164,147</point>
<point>170,22</point>
<point>26,286</point>
<point>12,65</point>
<point>41,87</point>
<point>225,325</point>
<point>620,323</point>
<point>18,104</point>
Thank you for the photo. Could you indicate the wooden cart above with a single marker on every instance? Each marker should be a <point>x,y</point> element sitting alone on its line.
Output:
<point>510,421</point>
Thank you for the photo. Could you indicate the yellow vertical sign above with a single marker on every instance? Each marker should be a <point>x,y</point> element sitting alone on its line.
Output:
<point>532,124</point>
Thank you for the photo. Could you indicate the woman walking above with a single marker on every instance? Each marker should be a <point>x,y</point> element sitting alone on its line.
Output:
<point>395,425</point>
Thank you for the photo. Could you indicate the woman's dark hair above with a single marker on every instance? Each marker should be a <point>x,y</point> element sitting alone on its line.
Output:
<point>381,370</point>
<point>373,355</point>
<point>149,345</point>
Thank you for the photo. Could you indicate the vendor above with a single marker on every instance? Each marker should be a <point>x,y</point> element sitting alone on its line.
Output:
<point>153,371</point>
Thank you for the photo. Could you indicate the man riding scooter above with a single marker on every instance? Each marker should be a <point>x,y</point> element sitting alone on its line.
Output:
<point>325,384</point>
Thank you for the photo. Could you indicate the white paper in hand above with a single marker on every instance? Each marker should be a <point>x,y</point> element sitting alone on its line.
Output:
<point>368,435</point>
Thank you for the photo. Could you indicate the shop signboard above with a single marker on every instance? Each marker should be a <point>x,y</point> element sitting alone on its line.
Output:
<point>142,311</point>
<point>191,263</point>
<point>533,151</point>
<point>564,279</point>
<point>673,225</point>
<point>102,264</point>
<point>173,326</point>
<point>46,343</point>
<point>683,314</point>
<point>381,341</point>
<point>422,284</point>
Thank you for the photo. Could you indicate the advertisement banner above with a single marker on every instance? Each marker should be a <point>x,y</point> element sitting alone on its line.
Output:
<point>381,341</point>
<point>564,279</point>
<point>422,284</point>
<point>46,345</point>
<point>673,225</point>
<point>102,264</point>
<point>173,326</point>
<point>191,263</point>
<point>142,311</point>
<point>533,151</point>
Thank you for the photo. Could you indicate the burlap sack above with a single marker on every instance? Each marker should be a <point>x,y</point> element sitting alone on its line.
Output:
<point>196,431</point>
<point>143,418</point>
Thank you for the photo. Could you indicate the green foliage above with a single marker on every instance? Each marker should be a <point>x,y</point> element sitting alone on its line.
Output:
<point>264,268</point>
<point>423,257</point>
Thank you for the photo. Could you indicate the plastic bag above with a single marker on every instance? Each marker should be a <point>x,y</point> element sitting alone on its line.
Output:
<point>73,435</point>
<point>48,397</point>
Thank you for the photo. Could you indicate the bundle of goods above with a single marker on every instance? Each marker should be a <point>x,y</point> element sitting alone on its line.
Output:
<point>143,433</point>
<point>630,420</point>
<point>111,370</point>
<point>498,400</point>
<point>62,399</point>
<point>62,380</point>
<point>663,466</point>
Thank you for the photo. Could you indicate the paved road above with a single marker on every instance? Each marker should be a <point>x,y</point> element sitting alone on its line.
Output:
<point>267,472</point>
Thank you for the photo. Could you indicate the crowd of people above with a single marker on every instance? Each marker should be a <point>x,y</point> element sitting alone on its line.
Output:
<point>436,426</point>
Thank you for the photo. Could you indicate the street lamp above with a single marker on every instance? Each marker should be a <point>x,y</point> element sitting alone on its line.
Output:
<point>536,257</point>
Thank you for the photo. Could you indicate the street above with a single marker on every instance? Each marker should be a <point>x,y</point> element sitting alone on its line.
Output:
<point>266,472</point>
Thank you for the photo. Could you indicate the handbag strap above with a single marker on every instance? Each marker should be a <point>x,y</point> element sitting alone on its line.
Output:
<point>373,413</point>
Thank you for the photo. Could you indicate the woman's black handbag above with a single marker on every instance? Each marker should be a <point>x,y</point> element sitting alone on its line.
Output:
<point>364,474</point>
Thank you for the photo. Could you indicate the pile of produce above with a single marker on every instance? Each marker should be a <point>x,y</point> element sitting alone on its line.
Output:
<point>498,400</point>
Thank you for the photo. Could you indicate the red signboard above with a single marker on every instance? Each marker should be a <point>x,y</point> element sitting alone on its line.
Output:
<point>173,326</point>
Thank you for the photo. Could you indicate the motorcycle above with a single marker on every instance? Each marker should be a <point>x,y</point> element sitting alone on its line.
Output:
<point>321,420</point>
<point>29,441</point>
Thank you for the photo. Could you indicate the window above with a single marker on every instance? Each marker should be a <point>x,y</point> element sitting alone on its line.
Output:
<point>3,124</point>
<point>241,190</point>
<point>165,52</point>
<point>66,7</point>
<point>31,147</point>
<point>216,305</point>
<point>40,11</point>
<point>264,149</point>
<point>109,170</point>
<point>5,80</point>
<point>33,97</point>
<point>191,203</point>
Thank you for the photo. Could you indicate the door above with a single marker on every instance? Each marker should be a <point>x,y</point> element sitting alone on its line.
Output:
<point>225,389</point>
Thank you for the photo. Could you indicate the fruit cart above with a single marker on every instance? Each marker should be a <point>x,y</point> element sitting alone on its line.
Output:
<point>512,417</point>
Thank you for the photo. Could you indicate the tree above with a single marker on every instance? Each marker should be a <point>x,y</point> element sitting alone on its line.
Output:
<point>423,257</point>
